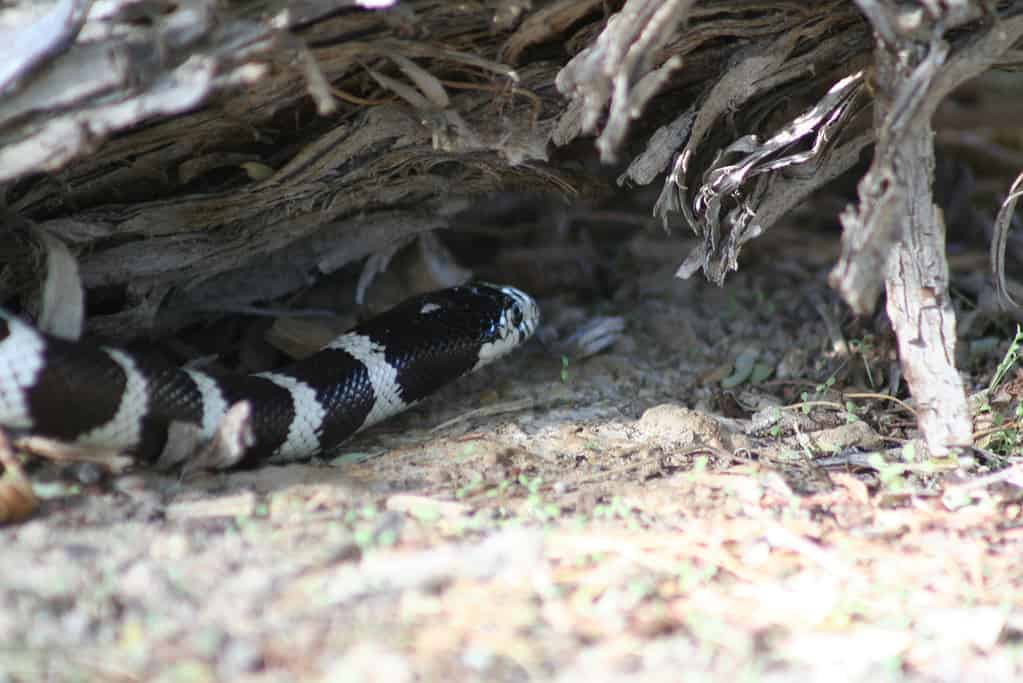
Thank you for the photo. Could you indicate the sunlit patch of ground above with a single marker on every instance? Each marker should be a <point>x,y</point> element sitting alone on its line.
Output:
<point>621,517</point>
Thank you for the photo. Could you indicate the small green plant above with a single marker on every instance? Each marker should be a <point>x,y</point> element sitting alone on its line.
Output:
<point>893,475</point>
<point>544,511</point>
<point>909,452</point>
<point>691,575</point>
<point>368,537</point>
<point>1008,360</point>
<point>1008,441</point>
<point>775,417</point>
<point>819,392</point>
<point>890,474</point>
<point>850,412</point>
<point>355,514</point>
<point>531,485</point>
<point>473,486</point>
<point>425,513</point>
<point>617,508</point>
<point>467,452</point>
<point>564,369</point>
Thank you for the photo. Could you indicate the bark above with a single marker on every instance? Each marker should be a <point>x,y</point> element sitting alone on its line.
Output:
<point>202,155</point>
<point>896,232</point>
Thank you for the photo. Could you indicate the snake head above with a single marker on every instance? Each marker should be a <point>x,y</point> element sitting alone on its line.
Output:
<point>515,320</point>
<point>521,313</point>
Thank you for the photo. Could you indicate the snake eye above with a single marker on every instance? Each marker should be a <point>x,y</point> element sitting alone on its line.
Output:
<point>516,316</point>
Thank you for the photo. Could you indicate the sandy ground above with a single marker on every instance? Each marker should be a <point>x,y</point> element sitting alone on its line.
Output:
<point>657,512</point>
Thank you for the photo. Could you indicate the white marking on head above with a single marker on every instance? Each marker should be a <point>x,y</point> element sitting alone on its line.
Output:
<point>509,334</point>
<point>387,399</point>
<point>21,359</point>
<point>530,311</point>
<point>304,431</point>
<point>499,347</point>
<point>124,429</point>
<point>429,308</point>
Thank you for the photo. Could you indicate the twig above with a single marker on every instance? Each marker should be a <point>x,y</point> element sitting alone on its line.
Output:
<point>882,397</point>
<point>486,411</point>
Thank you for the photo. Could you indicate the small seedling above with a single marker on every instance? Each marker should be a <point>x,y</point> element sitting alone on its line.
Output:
<point>1008,360</point>
<point>1009,440</point>
<point>474,485</point>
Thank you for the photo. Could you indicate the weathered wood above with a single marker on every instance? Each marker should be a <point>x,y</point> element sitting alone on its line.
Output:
<point>321,118</point>
<point>201,155</point>
<point>730,188</point>
<point>896,232</point>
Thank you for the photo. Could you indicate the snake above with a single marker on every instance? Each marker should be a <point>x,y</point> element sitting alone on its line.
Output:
<point>93,396</point>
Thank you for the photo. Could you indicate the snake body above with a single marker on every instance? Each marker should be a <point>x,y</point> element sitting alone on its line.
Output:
<point>93,396</point>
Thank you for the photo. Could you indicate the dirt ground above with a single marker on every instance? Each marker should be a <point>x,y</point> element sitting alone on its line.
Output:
<point>699,502</point>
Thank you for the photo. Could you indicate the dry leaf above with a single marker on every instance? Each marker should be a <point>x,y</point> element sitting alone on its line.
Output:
<point>17,500</point>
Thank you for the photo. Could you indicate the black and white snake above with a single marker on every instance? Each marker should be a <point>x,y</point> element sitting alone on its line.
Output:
<point>92,396</point>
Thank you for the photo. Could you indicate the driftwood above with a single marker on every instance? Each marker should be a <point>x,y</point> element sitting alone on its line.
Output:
<point>199,155</point>
<point>896,232</point>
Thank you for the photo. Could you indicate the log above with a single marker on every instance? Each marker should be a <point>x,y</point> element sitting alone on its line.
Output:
<point>199,155</point>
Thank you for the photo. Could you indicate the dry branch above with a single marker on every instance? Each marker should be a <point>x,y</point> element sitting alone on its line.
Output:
<point>896,232</point>
<point>265,179</point>
<point>202,155</point>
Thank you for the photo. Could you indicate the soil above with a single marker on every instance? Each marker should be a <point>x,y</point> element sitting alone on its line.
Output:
<point>727,493</point>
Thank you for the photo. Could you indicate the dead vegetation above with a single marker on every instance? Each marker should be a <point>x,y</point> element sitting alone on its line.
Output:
<point>299,139</point>
<point>742,486</point>
<point>584,525</point>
